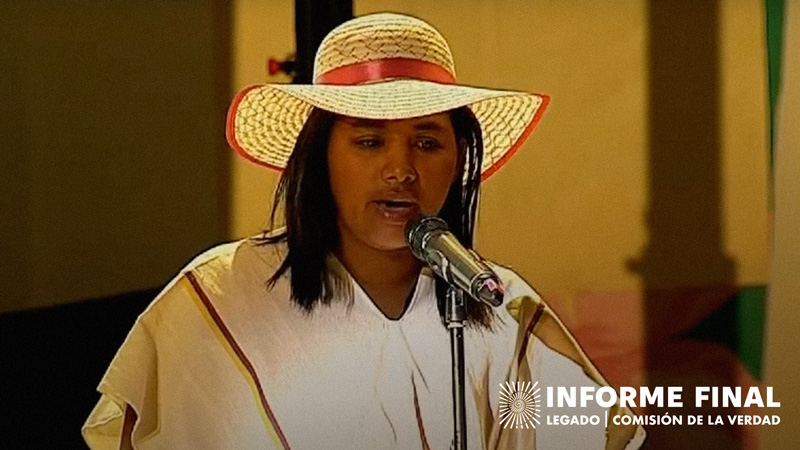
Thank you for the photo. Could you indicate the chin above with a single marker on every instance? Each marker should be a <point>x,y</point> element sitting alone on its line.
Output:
<point>390,240</point>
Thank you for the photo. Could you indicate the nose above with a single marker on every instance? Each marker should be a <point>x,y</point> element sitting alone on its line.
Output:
<point>398,166</point>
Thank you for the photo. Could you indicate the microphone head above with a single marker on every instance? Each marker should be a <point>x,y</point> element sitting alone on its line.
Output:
<point>488,289</point>
<point>419,230</point>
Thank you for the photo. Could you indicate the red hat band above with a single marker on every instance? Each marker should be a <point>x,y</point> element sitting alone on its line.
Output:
<point>384,69</point>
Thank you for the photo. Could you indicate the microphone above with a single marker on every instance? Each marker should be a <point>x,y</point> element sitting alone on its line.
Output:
<point>432,242</point>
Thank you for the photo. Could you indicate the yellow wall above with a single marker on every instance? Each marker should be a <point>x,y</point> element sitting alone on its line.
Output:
<point>261,30</point>
<point>744,132</point>
<point>781,362</point>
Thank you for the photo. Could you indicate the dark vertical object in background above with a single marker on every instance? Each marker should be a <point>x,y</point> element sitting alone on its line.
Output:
<point>775,12</point>
<point>313,19</point>
<point>223,31</point>
<point>684,268</point>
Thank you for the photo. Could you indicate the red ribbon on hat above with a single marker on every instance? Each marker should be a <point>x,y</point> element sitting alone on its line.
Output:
<point>382,69</point>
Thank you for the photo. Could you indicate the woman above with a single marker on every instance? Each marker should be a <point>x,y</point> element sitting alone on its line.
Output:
<point>328,333</point>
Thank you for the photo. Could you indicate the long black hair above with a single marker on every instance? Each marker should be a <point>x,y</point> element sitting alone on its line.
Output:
<point>311,232</point>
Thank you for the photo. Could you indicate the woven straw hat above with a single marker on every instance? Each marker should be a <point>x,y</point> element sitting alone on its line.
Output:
<point>378,66</point>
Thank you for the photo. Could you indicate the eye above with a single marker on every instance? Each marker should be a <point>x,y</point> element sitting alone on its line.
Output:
<point>369,142</point>
<point>428,144</point>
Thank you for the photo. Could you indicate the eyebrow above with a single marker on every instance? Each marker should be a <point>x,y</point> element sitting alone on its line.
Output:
<point>428,125</point>
<point>363,123</point>
<point>425,125</point>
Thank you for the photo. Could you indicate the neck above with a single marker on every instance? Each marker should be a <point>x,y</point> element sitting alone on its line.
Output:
<point>388,277</point>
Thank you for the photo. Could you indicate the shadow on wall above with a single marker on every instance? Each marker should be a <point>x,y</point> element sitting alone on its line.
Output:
<point>685,272</point>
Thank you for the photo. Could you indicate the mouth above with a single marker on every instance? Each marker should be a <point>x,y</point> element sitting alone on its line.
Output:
<point>397,211</point>
<point>396,204</point>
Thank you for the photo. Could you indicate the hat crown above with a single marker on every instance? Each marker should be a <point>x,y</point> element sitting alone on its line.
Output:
<point>383,36</point>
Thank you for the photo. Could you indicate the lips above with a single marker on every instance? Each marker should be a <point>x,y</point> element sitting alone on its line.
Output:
<point>397,211</point>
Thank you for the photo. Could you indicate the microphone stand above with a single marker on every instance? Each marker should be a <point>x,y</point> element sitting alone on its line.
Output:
<point>456,313</point>
<point>430,241</point>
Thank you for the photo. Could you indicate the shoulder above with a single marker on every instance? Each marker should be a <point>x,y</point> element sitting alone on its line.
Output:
<point>223,271</point>
<point>245,254</point>
<point>515,286</point>
<point>221,278</point>
<point>179,334</point>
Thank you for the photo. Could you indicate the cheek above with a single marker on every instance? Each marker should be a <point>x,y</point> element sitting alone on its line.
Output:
<point>447,174</point>
<point>438,178</point>
<point>337,174</point>
<point>346,176</point>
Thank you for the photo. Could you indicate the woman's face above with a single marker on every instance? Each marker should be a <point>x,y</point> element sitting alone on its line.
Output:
<point>384,173</point>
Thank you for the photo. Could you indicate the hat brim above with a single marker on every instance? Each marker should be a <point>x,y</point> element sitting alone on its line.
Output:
<point>265,120</point>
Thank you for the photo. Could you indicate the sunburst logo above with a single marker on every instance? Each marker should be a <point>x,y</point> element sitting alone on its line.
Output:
<point>519,404</point>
